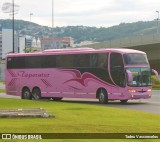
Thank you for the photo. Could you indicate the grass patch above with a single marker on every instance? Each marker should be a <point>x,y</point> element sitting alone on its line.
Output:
<point>72,117</point>
<point>155,83</point>
<point>78,118</point>
<point>2,90</point>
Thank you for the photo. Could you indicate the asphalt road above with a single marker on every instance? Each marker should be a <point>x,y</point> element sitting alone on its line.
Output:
<point>150,105</point>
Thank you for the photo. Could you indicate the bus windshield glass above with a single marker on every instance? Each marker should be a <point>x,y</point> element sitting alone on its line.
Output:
<point>141,77</point>
<point>135,58</point>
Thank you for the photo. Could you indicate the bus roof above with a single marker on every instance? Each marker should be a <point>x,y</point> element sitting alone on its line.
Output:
<point>77,50</point>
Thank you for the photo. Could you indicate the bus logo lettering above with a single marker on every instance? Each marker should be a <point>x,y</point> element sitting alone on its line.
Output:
<point>31,75</point>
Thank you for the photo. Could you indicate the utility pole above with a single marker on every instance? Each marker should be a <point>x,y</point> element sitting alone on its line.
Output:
<point>30,16</point>
<point>157,22</point>
<point>52,13</point>
<point>13,22</point>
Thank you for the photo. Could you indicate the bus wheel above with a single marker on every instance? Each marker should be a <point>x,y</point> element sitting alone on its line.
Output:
<point>103,96</point>
<point>26,94</point>
<point>57,98</point>
<point>36,94</point>
<point>123,101</point>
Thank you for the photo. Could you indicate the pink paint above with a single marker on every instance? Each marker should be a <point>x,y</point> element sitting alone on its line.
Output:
<point>71,83</point>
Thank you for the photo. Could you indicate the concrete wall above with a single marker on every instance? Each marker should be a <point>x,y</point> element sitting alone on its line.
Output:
<point>129,42</point>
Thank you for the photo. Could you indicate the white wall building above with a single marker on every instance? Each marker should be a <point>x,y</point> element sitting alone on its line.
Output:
<point>7,42</point>
<point>22,44</point>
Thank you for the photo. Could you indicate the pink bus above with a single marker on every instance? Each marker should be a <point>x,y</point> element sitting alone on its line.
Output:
<point>105,74</point>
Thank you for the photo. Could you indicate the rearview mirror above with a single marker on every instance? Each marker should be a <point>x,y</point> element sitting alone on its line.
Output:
<point>156,73</point>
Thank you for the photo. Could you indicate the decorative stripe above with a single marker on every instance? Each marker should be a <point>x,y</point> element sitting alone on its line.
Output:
<point>44,92</point>
<point>68,92</point>
<point>46,83</point>
<point>54,92</point>
<point>81,93</point>
<point>12,82</point>
<point>13,91</point>
<point>12,73</point>
<point>117,93</point>
<point>91,93</point>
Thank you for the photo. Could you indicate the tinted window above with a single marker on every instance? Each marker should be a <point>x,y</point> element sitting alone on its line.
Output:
<point>97,60</point>
<point>31,62</point>
<point>17,62</point>
<point>103,60</point>
<point>64,61</point>
<point>135,58</point>
<point>48,61</point>
<point>93,60</point>
<point>81,60</point>
<point>117,69</point>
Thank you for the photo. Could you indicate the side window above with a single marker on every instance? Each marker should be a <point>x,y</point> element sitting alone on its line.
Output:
<point>48,61</point>
<point>117,69</point>
<point>103,60</point>
<point>93,60</point>
<point>15,62</point>
<point>99,60</point>
<point>33,62</point>
<point>81,60</point>
<point>64,61</point>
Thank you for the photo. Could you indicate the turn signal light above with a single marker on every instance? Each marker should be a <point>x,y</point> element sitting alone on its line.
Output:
<point>132,91</point>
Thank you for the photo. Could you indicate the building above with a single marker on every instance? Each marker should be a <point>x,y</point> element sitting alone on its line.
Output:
<point>29,41</point>
<point>22,42</point>
<point>36,43</point>
<point>56,43</point>
<point>6,42</point>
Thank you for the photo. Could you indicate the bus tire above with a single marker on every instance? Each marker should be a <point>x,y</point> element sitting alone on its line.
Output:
<point>103,96</point>
<point>36,94</point>
<point>123,101</point>
<point>26,94</point>
<point>57,98</point>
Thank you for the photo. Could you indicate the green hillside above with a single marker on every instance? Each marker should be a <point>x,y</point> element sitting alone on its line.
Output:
<point>84,33</point>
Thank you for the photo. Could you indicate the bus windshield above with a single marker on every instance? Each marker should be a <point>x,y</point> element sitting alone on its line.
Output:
<point>135,58</point>
<point>141,77</point>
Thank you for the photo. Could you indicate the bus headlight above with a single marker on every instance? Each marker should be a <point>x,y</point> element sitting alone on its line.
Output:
<point>132,91</point>
<point>149,90</point>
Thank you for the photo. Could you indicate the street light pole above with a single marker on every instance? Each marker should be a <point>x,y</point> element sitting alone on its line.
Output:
<point>52,14</point>
<point>158,22</point>
<point>13,22</point>
<point>30,16</point>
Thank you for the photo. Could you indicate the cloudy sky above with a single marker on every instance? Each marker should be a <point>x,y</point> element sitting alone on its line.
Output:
<point>84,12</point>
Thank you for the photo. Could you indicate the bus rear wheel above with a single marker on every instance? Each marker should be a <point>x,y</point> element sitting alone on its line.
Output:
<point>103,96</point>
<point>36,94</point>
<point>26,94</point>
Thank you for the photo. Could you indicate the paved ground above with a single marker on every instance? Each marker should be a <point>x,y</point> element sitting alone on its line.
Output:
<point>150,105</point>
